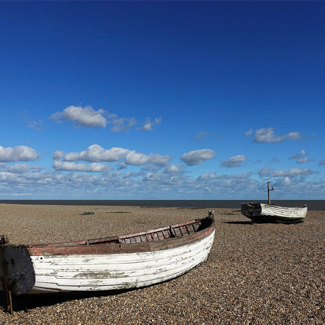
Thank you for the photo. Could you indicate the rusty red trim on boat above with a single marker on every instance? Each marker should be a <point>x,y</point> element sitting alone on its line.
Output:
<point>153,240</point>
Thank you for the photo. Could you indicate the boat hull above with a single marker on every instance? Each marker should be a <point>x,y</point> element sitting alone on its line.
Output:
<point>70,273</point>
<point>260,212</point>
<point>108,264</point>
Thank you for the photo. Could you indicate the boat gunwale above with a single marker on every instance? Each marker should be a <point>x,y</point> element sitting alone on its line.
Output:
<point>273,205</point>
<point>283,207</point>
<point>116,247</point>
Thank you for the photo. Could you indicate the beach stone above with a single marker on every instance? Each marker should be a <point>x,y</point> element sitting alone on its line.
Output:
<point>255,273</point>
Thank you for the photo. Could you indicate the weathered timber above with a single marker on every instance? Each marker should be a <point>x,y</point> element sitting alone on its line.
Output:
<point>106,264</point>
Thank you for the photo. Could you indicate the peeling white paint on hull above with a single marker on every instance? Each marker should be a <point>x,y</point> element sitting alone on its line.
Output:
<point>66,273</point>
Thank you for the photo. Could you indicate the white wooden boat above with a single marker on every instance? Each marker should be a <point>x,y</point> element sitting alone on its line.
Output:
<point>260,212</point>
<point>106,264</point>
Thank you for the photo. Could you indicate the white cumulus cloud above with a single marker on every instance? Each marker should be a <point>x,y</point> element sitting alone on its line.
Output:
<point>86,116</point>
<point>18,153</point>
<point>157,159</point>
<point>301,157</point>
<point>19,169</point>
<point>71,166</point>
<point>136,158</point>
<point>58,154</point>
<point>97,153</point>
<point>148,125</point>
<point>267,135</point>
<point>174,169</point>
<point>122,124</point>
<point>234,161</point>
<point>266,172</point>
<point>197,157</point>
<point>283,182</point>
<point>207,176</point>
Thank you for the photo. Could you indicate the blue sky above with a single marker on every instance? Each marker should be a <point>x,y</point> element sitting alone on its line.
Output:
<point>162,100</point>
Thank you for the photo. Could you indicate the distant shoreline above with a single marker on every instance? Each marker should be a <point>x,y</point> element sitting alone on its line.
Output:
<point>318,205</point>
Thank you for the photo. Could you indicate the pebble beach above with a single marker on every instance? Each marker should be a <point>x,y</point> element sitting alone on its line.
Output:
<point>255,274</point>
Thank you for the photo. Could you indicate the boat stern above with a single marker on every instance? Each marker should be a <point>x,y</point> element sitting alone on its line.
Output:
<point>251,210</point>
<point>16,268</point>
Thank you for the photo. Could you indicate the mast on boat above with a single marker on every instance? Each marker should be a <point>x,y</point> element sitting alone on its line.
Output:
<point>268,192</point>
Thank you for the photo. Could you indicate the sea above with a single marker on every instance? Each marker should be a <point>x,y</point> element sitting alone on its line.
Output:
<point>318,205</point>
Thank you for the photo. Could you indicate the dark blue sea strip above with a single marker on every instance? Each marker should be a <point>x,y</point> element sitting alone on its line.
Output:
<point>318,205</point>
